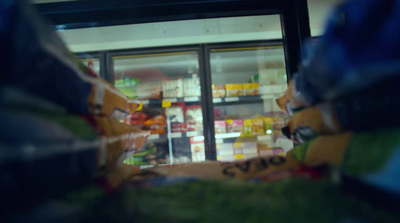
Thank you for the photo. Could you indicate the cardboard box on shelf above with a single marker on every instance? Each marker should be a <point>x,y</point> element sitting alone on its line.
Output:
<point>253,127</point>
<point>234,125</point>
<point>172,88</point>
<point>238,148</point>
<point>220,126</point>
<point>218,91</point>
<point>234,90</point>
<point>191,87</point>
<point>194,118</point>
<point>198,150</point>
<point>250,89</point>
<point>176,113</point>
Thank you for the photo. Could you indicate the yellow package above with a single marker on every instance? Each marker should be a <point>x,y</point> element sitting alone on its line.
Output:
<point>247,127</point>
<point>268,125</point>
<point>251,89</point>
<point>253,127</point>
<point>106,100</point>
<point>118,141</point>
<point>257,127</point>
<point>234,90</point>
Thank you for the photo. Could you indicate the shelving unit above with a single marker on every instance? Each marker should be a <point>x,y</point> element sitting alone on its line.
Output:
<point>158,102</point>
<point>175,135</point>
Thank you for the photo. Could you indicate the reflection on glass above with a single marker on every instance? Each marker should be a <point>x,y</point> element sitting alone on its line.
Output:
<point>169,85</point>
<point>245,84</point>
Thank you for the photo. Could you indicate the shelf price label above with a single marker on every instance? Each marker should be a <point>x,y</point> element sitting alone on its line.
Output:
<point>217,100</point>
<point>239,156</point>
<point>166,103</point>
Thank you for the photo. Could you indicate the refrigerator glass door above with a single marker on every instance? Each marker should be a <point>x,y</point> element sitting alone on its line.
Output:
<point>168,86</point>
<point>245,84</point>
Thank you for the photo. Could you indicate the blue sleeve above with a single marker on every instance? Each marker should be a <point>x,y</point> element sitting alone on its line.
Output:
<point>377,107</point>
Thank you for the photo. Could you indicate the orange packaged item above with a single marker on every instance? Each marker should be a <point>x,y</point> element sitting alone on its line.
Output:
<point>106,100</point>
<point>156,124</point>
<point>118,141</point>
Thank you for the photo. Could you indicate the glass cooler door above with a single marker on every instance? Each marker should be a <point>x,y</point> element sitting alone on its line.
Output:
<point>245,84</point>
<point>168,86</point>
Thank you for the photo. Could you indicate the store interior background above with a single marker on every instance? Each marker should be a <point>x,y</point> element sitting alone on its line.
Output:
<point>227,65</point>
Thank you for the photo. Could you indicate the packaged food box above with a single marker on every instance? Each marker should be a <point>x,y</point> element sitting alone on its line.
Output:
<point>234,125</point>
<point>191,86</point>
<point>176,112</point>
<point>220,126</point>
<point>156,124</point>
<point>234,90</point>
<point>177,115</point>
<point>198,150</point>
<point>237,148</point>
<point>251,89</point>
<point>253,127</point>
<point>194,118</point>
<point>218,91</point>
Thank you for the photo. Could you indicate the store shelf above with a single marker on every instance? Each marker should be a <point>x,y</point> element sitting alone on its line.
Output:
<point>158,102</point>
<point>232,137</point>
<point>235,100</point>
<point>176,135</point>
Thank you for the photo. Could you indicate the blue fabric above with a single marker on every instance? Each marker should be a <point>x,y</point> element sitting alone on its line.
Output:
<point>377,107</point>
<point>360,47</point>
<point>389,177</point>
